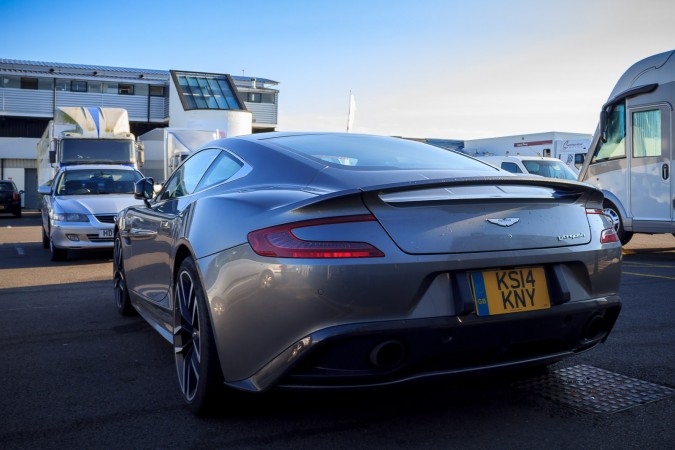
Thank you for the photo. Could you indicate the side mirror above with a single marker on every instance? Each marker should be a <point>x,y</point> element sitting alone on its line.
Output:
<point>52,157</point>
<point>44,189</point>
<point>144,189</point>
<point>603,125</point>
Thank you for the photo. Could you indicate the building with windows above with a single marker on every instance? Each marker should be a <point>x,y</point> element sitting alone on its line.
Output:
<point>30,92</point>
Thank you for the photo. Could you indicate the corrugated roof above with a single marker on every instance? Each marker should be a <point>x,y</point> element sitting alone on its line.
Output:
<point>33,65</point>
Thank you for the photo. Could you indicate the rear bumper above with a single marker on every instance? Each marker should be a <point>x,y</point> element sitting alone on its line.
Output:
<point>391,352</point>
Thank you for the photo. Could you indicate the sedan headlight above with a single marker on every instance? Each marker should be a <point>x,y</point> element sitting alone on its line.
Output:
<point>71,217</point>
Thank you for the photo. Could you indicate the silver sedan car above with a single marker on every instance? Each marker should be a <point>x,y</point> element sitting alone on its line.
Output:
<point>323,260</point>
<point>80,206</point>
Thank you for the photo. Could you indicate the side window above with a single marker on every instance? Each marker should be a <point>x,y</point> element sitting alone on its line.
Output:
<point>185,179</point>
<point>615,147</point>
<point>647,133</point>
<point>511,167</point>
<point>224,168</point>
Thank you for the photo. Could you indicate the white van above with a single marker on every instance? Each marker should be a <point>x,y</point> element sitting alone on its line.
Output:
<point>534,165</point>
<point>631,154</point>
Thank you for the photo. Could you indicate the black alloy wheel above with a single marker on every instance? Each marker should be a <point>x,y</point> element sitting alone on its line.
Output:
<point>197,364</point>
<point>120,281</point>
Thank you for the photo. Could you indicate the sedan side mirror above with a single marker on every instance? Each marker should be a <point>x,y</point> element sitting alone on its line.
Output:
<point>145,190</point>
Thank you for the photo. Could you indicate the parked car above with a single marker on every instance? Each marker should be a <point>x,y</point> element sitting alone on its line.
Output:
<point>533,165</point>
<point>80,206</point>
<point>10,198</point>
<point>397,261</point>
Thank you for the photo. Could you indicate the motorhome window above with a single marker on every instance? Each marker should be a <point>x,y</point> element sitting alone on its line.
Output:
<point>29,83</point>
<point>110,88</point>
<point>156,91</point>
<point>78,86</point>
<point>106,151</point>
<point>126,89</point>
<point>615,147</point>
<point>646,133</point>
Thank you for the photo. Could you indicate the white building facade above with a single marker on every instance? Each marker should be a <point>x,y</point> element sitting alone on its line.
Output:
<point>31,91</point>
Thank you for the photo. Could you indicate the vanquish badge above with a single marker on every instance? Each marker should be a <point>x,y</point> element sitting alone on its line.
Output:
<point>505,222</point>
<point>570,236</point>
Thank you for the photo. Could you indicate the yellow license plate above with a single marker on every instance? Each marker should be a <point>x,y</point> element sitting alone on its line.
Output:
<point>509,291</point>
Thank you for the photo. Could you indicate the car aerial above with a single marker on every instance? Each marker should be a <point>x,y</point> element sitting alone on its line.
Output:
<point>80,206</point>
<point>533,165</point>
<point>395,261</point>
<point>10,198</point>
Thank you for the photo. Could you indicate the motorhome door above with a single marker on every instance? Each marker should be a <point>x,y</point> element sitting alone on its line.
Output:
<point>651,187</point>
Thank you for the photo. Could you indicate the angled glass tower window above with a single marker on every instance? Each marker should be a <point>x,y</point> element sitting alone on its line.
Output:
<point>206,91</point>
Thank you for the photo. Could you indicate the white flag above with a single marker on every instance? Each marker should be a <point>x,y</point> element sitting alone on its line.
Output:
<point>350,115</point>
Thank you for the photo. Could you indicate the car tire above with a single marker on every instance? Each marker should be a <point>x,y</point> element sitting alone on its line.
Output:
<point>17,213</point>
<point>613,213</point>
<point>45,239</point>
<point>197,364</point>
<point>122,299</point>
<point>57,254</point>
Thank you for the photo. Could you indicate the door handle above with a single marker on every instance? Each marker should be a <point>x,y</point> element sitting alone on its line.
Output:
<point>135,232</point>
<point>665,171</point>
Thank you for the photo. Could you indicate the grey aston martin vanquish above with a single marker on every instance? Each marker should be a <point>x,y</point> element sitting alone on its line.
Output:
<point>330,260</point>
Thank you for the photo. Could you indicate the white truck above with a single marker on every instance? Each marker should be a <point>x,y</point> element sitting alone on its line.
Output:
<point>631,155</point>
<point>166,148</point>
<point>86,135</point>
<point>571,148</point>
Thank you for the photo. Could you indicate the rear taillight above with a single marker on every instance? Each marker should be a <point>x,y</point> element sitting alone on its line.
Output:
<point>607,235</point>
<point>15,196</point>
<point>279,241</point>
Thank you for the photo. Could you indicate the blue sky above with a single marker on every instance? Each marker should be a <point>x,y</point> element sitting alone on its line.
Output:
<point>425,68</point>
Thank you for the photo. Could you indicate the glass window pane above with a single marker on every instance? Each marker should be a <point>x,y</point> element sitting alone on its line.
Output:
<point>185,179</point>
<point>197,93</point>
<point>45,84</point>
<point>95,86</point>
<point>207,93</point>
<point>647,133</point>
<point>223,169</point>
<point>615,147</point>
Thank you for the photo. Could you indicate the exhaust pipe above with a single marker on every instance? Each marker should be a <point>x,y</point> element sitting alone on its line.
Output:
<point>594,327</point>
<point>387,354</point>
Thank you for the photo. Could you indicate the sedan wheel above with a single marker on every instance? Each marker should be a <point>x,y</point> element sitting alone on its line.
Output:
<point>57,254</point>
<point>199,373</point>
<point>45,239</point>
<point>120,282</point>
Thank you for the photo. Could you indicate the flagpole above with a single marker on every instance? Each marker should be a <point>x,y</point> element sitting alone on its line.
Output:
<point>350,112</point>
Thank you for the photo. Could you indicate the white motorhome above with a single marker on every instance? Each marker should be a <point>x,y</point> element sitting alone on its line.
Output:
<point>86,135</point>
<point>631,155</point>
<point>571,148</point>
<point>166,148</point>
